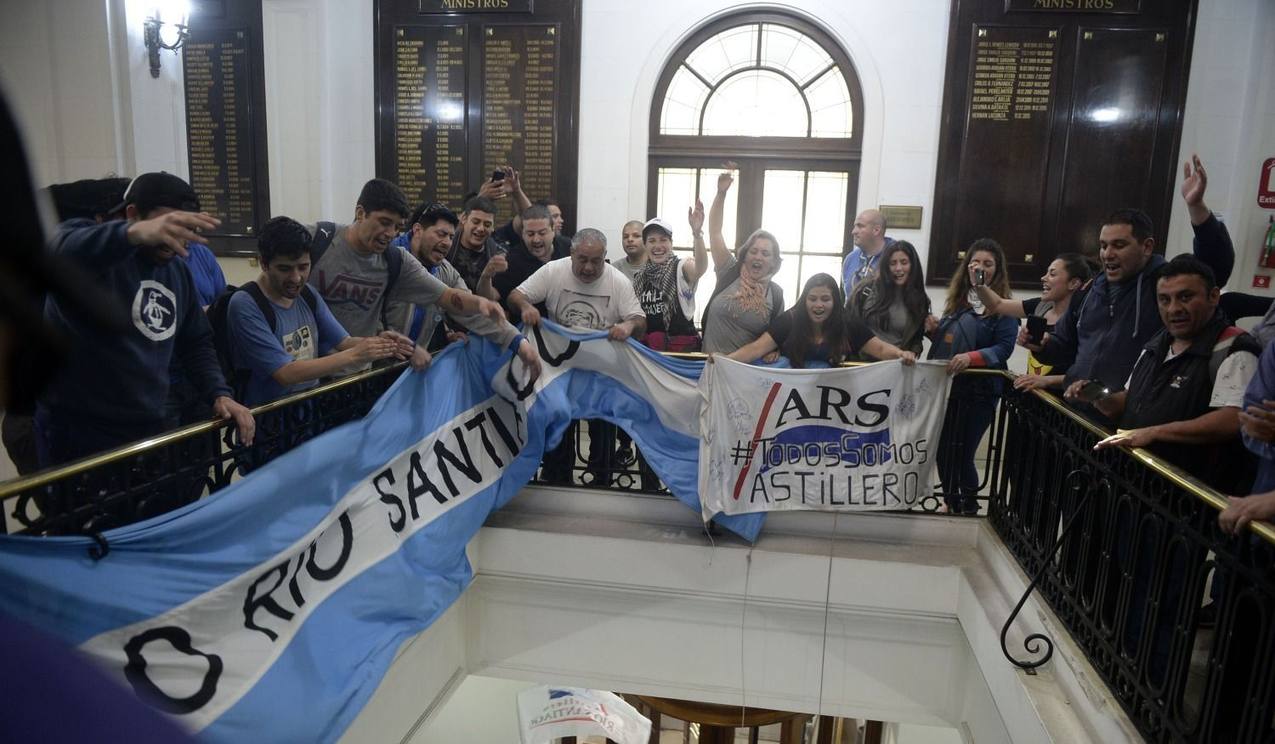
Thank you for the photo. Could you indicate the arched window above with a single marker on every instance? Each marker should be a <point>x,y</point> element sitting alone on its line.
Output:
<point>776,95</point>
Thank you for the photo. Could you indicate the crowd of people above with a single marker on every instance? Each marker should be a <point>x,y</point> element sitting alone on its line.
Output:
<point>1140,344</point>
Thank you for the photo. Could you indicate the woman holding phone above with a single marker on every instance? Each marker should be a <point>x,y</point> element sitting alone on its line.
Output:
<point>971,334</point>
<point>1067,274</point>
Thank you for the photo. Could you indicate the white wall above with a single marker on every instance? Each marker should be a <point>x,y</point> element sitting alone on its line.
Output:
<point>55,67</point>
<point>900,119</point>
<point>1230,122</point>
<point>91,107</point>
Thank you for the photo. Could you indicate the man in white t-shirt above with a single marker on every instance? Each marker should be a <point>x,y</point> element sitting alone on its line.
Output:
<point>582,291</point>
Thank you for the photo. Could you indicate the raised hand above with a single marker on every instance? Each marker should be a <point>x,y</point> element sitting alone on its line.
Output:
<point>727,177</point>
<point>695,216</point>
<point>172,230</point>
<point>1194,182</point>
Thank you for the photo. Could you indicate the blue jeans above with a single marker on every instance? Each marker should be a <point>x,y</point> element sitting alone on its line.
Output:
<point>966,421</point>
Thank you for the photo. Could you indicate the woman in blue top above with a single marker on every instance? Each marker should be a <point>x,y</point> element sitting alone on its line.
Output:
<point>970,335</point>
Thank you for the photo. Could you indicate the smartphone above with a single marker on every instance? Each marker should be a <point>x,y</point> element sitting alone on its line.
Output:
<point>1092,391</point>
<point>980,277</point>
<point>497,176</point>
<point>1036,327</point>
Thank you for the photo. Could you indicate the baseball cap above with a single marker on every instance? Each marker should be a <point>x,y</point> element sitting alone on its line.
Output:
<point>657,223</point>
<point>161,189</point>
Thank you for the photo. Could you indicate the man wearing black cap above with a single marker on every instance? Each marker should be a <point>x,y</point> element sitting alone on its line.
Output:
<point>114,386</point>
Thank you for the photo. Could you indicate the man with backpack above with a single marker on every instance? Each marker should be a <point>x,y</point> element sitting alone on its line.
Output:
<point>281,336</point>
<point>1186,388</point>
<point>360,280</point>
<point>1182,402</point>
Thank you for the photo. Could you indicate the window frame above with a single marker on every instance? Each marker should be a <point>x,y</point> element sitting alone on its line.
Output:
<point>755,155</point>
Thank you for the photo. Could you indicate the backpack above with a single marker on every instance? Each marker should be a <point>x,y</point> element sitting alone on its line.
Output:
<point>324,232</point>
<point>218,313</point>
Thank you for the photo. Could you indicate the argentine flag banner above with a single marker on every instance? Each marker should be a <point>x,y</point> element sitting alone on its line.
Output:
<point>271,610</point>
<point>850,439</point>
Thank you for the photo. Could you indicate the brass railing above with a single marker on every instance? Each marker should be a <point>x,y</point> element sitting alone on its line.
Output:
<point>1121,544</point>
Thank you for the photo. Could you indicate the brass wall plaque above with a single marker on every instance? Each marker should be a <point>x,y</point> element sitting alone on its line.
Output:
<point>476,6</point>
<point>1075,6</point>
<point>901,218</point>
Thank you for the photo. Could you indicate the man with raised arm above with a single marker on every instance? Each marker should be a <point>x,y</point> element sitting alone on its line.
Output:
<point>475,253</point>
<point>113,388</point>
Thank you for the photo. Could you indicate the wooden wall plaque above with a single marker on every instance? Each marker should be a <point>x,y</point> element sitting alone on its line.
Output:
<point>1051,120</point>
<point>224,86</point>
<point>460,94</point>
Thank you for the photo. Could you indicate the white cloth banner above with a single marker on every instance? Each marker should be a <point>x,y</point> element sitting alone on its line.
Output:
<point>850,439</point>
<point>546,714</point>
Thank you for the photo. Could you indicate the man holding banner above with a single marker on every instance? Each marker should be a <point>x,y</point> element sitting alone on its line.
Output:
<point>582,291</point>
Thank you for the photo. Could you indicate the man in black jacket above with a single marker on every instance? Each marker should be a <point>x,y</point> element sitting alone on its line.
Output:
<point>114,386</point>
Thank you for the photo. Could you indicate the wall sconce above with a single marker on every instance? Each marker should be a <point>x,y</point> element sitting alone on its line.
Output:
<point>165,28</point>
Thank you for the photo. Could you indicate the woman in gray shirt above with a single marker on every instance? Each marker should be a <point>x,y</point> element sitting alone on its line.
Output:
<point>893,303</point>
<point>745,300</point>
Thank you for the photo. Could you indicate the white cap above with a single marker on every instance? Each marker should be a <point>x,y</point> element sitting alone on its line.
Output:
<point>656,223</point>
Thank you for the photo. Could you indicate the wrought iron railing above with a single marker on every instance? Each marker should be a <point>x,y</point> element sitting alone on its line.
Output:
<point>1124,548</point>
<point>158,475</point>
<point>1128,553</point>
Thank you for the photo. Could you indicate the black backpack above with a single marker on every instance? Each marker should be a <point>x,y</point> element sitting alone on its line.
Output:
<point>217,316</point>
<point>324,232</point>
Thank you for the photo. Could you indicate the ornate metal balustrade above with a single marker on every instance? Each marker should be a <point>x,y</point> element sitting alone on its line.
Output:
<point>1127,551</point>
<point>154,476</point>
<point>1124,548</point>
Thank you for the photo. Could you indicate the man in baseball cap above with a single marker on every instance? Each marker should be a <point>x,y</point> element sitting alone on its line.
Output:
<point>114,387</point>
<point>159,190</point>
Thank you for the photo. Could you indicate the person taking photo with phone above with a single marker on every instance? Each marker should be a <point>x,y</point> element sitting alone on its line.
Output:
<point>1067,275</point>
<point>971,334</point>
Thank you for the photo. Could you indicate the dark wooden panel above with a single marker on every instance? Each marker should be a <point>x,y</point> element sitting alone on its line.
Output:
<point>429,131</point>
<point>1108,139</point>
<point>520,104</point>
<point>225,91</point>
<point>517,86</point>
<point>1005,149</point>
<point>1111,143</point>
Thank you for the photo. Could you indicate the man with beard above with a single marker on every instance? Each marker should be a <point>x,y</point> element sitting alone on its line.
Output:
<point>430,237</point>
<point>280,346</point>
